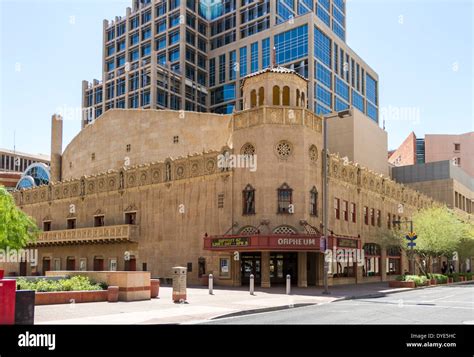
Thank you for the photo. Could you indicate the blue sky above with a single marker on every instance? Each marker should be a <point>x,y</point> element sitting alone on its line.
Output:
<point>421,49</point>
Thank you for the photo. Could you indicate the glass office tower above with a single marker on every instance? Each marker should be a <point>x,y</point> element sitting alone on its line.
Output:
<point>192,55</point>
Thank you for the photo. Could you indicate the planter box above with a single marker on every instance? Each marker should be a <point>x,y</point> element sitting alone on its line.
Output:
<point>401,284</point>
<point>68,297</point>
<point>433,282</point>
<point>450,280</point>
<point>462,278</point>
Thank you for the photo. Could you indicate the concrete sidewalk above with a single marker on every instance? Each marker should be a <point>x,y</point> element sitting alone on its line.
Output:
<point>200,305</point>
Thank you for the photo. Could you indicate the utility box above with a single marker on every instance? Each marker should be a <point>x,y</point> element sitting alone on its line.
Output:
<point>7,302</point>
<point>179,284</point>
<point>25,307</point>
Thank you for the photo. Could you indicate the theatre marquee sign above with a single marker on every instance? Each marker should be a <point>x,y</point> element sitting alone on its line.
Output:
<point>262,243</point>
<point>308,242</point>
<point>230,242</point>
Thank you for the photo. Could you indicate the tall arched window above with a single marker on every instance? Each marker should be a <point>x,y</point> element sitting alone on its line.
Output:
<point>286,96</point>
<point>276,95</point>
<point>248,200</point>
<point>285,199</point>
<point>168,171</point>
<point>253,99</point>
<point>303,100</point>
<point>313,201</point>
<point>298,97</point>
<point>261,96</point>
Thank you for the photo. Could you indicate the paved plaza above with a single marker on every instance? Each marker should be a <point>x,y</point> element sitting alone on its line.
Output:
<point>200,306</point>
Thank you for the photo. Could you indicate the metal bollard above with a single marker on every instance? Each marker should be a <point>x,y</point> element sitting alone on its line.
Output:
<point>211,284</point>
<point>288,284</point>
<point>252,284</point>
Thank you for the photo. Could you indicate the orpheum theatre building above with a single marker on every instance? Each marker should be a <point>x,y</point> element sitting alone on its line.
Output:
<point>232,195</point>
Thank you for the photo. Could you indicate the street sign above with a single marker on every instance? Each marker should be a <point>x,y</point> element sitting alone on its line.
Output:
<point>411,244</point>
<point>323,244</point>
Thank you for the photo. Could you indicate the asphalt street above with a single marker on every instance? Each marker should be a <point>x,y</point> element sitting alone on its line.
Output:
<point>441,305</point>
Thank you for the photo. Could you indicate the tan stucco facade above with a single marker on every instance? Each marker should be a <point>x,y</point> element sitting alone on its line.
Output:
<point>159,209</point>
<point>360,139</point>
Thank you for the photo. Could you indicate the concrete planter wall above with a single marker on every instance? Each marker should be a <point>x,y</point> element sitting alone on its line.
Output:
<point>77,297</point>
<point>401,284</point>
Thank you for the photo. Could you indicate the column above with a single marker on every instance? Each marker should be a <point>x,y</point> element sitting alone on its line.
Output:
<point>236,273</point>
<point>302,270</point>
<point>383,264</point>
<point>265,266</point>
<point>359,276</point>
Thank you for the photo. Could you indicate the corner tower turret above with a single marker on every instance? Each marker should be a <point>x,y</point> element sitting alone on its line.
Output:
<point>276,86</point>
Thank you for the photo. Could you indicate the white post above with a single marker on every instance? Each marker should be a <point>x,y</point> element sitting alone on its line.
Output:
<point>211,284</point>
<point>288,284</point>
<point>252,284</point>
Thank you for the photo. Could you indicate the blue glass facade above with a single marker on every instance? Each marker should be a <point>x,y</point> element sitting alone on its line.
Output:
<point>323,75</point>
<point>322,47</point>
<point>338,78</point>
<point>254,57</point>
<point>243,62</point>
<point>334,19</point>
<point>292,45</point>
<point>265,53</point>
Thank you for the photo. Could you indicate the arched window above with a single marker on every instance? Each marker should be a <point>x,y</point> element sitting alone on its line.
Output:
<point>248,230</point>
<point>298,97</point>
<point>285,199</point>
<point>261,96</point>
<point>253,99</point>
<point>313,201</point>
<point>168,171</point>
<point>248,200</point>
<point>286,96</point>
<point>303,100</point>
<point>372,260</point>
<point>284,230</point>
<point>276,95</point>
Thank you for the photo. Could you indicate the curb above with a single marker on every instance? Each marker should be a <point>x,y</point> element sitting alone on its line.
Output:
<point>379,295</point>
<point>262,310</point>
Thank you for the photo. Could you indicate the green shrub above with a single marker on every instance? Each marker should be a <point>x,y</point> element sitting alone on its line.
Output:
<point>76,283</point>
<point>419,280</point>
<point>440,278</point>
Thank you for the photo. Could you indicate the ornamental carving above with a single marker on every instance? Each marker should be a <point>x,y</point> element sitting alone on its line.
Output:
<point>313,153</point>
<point>180,172</point>
<point>284,149</point>
<point>210,166</point>
<point>248,149</point>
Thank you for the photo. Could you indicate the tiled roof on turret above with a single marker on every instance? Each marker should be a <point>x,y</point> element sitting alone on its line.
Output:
<point>276,69</point>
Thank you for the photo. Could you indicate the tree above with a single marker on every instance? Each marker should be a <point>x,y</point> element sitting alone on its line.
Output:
<point>17,229</point>
<point>466,246</point>
<point>439,232</point>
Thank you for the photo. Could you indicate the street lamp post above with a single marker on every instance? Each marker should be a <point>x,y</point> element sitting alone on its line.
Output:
<point>325,202</point>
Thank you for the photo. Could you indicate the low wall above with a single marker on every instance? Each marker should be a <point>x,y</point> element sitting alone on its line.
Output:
<point>68,297</point>
<point>402,284</point>
<point>133,285</point>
